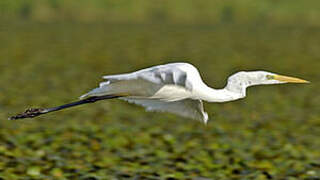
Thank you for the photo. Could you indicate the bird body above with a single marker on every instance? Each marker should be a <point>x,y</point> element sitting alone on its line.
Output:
<point>176,87</point>
<point>171,88</point>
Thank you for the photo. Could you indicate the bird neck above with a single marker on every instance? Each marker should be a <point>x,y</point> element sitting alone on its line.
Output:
<point>219,95</point>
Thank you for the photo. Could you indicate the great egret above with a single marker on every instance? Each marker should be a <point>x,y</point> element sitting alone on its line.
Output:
<point>175,87</point>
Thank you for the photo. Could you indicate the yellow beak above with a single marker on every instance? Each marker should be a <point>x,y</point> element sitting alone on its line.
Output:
<point>288,79</point>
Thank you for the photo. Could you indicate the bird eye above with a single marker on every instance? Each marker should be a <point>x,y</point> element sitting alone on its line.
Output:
<point>269,77</point>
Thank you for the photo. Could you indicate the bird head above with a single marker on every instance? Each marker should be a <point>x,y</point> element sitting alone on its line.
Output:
<point>243,79</point>
<point>251,78</point>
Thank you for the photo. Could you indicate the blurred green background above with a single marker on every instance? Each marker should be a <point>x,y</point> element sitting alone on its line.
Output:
<point>53,51</point>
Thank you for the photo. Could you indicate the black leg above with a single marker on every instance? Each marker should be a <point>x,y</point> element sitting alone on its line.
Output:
<point>33,112</point>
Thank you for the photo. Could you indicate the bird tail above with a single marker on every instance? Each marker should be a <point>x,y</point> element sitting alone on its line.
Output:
<point>100,91</point>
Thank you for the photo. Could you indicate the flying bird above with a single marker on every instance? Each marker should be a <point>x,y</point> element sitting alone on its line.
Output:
<point>176,88</point>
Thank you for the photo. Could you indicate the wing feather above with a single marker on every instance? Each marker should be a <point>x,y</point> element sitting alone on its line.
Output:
<point>145,82</point>
<point>187,108</point>
<point>161,74</point>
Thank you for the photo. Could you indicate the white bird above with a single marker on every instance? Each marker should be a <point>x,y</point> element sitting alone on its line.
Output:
<point>175,87</point>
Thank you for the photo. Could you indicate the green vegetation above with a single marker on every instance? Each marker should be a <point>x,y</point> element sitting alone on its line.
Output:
<point>177,11</point>
<point>274,132</point>
<point>49,56</point>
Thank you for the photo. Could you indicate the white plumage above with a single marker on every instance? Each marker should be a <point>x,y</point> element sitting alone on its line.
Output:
<point>166,88</point>
<point>178,88</point>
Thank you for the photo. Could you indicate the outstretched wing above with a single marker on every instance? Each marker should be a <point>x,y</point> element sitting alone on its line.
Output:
<point>161,74</point>
<point>147,82</point>
<point>187,108</point>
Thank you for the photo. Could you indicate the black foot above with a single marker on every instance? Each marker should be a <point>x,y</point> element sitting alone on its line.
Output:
<point>29,113</point>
